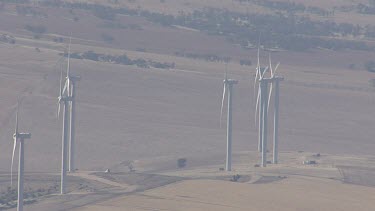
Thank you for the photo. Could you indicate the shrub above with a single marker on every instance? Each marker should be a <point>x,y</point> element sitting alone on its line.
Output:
<point>38,29</point>
<point>370,66</point>
<point>107,37</point>
<point>181,163</point>
<point>245,62</point>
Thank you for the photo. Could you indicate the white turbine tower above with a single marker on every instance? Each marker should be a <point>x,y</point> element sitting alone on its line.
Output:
<point>72,130</point>
<point>19,137</point>
<point>64,99</point>
<point>70,84</point>
<point>263,114</point>
<point>275,85</point>
<point>228,85</point>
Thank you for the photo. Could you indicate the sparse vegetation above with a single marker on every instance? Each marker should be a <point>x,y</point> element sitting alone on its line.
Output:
<point>122,59</point>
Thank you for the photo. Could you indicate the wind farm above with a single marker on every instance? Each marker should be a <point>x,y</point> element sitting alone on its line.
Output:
<point>124,109</point>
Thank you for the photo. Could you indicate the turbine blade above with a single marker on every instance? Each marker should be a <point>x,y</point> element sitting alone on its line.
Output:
<point>68,68</point>
<point>16,127</point>
<point>58,110</point>
<point>264,72</point>
<point>61,75</point>
<point>269,97</point>
<point>257,74</point>
<point>256,79</point>
<point>65,89</point>
<point>276,68</point>
<point>257,105</point>
<point>269,58</point>
<point>258,64</point>
<point>226,71</point>
<point>11,167</point>
<point>222,104</point>
<point>68,86</point>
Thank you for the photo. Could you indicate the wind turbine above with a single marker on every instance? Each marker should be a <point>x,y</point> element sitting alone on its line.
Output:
<point>19,137</point>
<point>64,99</point>
<point>228,85</point>
<point>70,84</point>
<point>258,75</point>
<point>275,85</point>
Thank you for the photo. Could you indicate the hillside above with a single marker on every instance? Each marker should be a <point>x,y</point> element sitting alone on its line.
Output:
<point>151,85</point>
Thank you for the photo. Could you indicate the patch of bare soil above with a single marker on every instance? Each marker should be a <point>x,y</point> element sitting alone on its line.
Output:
<point>358,175</point>
<point>269,179</point>
<point>142,181</point>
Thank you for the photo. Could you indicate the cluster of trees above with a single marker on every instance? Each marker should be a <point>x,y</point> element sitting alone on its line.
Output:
<point>122,59</point>
<point>207,57</point>
<point>290,7</point>
<point>286,31</point>
<point>281,31</point>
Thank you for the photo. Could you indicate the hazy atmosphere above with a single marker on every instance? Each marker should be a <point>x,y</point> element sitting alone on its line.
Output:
<point>187,105</point>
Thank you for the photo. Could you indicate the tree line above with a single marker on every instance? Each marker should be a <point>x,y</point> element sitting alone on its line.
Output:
<point>121,59</point>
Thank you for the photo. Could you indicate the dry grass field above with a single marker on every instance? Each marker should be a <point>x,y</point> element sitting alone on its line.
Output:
<point>290,194</point>
<point>150,117</point>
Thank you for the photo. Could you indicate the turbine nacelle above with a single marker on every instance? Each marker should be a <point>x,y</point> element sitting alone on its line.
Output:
<point>22,136</point>
<point>75,78</point>
<point>64,98</point>
<point>230,81</point>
